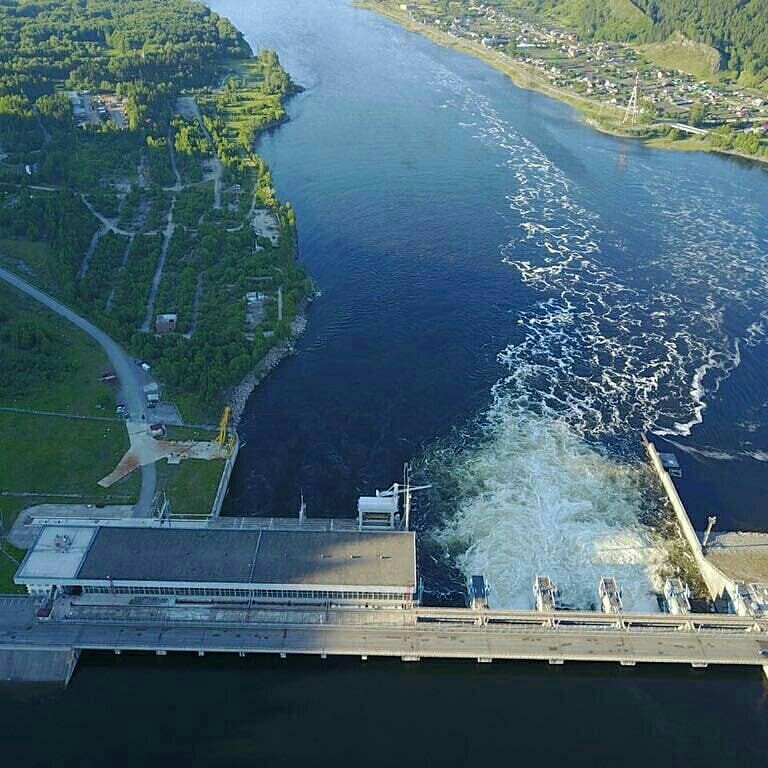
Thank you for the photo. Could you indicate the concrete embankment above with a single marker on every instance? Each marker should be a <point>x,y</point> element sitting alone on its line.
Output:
<point>221,491</point>
<point>37,666</point>
<point>718,584</point>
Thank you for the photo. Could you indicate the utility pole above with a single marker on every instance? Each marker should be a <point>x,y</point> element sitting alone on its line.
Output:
<point>711,520</point>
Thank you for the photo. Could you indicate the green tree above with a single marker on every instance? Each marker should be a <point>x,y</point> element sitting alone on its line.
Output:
<point>698,114</point>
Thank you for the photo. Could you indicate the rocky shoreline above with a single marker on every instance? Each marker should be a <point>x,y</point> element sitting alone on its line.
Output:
<point>271,360</point>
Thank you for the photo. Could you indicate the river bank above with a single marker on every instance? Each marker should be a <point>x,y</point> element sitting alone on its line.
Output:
<point>240,394</point>
<point>600,116</point>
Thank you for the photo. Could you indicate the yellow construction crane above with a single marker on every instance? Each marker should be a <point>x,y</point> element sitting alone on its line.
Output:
<point>221,438</point>
<point>225,441</point>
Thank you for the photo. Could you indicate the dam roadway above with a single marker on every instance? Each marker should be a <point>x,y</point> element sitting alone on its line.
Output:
<point>411,635</point>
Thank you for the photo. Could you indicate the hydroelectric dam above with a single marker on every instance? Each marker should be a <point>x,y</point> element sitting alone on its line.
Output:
<point>333,588</point>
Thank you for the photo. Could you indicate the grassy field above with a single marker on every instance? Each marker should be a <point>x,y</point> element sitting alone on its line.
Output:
<point>34,255</point>
<point>190,486</point>
<point>56,455</point>
<point>192,411</point>
<point>696,59</point>
<point>10,558</point>
<point>685,144</point>
<point>248,104</point>
<point>60,374</point>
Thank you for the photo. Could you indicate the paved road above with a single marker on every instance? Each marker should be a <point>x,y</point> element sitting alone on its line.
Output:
<point>18,629</point>
<point>123,365</point>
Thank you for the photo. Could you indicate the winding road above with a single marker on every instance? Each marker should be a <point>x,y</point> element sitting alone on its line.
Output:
<point>123,365</point>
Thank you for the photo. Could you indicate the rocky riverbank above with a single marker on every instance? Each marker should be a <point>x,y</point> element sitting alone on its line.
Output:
<point>271,360</point>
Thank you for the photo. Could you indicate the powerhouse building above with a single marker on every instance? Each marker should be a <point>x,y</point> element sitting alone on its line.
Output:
<point>206,564</point>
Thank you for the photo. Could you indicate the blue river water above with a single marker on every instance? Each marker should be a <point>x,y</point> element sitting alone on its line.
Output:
<point>507,300</point>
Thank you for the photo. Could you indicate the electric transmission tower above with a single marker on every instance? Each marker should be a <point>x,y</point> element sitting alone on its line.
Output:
<point>633,111</point>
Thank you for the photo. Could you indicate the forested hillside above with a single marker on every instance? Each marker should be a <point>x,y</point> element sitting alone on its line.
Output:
<point>144,49</point>
<point>738,29</point>
<point>130,187</point>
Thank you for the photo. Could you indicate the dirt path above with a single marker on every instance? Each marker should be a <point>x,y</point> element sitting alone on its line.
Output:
<point>83,271</point>
<point>187,107</point>
<point>111,298</point>
<point>167,235</point>
<point>109,224</point>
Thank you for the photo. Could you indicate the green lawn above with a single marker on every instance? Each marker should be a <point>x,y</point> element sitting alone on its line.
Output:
<point>34,255</point>
<point>55,455</point>
<point>58,368</point>
<point>190,486</point>
<point>10,559</point>
<point>697,59</point>
<point>192,410</point>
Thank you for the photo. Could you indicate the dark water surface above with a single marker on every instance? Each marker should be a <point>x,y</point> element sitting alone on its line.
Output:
<point>508,298</point>
<point>259,712</point>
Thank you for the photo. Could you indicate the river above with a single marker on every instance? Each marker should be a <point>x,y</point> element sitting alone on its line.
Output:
<point>508,299</point>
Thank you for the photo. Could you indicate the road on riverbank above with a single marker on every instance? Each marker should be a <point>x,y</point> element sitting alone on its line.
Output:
<point>123,365</point>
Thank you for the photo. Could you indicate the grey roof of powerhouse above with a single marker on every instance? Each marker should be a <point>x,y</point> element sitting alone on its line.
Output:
<point>258,557</point>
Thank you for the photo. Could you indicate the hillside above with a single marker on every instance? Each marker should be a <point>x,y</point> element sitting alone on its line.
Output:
<point>736,29</point>
<point>130,187</point>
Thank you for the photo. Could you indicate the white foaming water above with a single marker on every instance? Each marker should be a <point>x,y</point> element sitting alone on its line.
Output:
<point>600,356</point>
<point>533,498</point>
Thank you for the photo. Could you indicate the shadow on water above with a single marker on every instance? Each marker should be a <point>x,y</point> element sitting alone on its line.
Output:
<point>221,711</point>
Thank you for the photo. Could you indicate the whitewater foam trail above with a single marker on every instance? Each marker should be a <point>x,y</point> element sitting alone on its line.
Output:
<point>532,497</point>
<point>602,355</point>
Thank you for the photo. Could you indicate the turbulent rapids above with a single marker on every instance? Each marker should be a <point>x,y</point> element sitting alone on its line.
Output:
<point>607,352</point>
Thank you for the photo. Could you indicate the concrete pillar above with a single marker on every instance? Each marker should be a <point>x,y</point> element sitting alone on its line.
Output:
<point>74,656</point>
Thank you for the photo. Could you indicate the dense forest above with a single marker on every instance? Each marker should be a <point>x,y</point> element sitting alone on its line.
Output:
<point>738,29</point>
<point>98,209</point>
<point>141,48</point>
